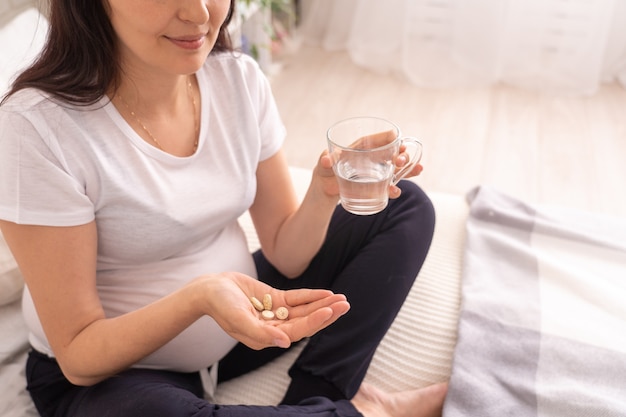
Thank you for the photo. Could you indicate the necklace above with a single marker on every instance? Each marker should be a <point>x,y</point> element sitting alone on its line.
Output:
<point>145,129</point>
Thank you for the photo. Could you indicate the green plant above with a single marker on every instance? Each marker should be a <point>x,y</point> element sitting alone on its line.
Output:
<point>282,6</point>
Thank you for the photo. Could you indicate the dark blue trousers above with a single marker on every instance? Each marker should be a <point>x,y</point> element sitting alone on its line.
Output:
<point>373,260</point>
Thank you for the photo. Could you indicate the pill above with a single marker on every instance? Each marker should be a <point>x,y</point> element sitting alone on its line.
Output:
<point>257,304</point>
<point>282,313</point>
<point>267,302</point>
<point>267,314</point>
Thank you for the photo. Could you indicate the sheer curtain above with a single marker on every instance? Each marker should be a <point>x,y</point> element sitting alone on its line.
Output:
<point>561,46</point>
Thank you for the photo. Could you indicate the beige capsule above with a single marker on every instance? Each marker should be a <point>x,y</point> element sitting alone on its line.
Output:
<point>267,302</point>
<point>282,313</point>
<point>257,304</point>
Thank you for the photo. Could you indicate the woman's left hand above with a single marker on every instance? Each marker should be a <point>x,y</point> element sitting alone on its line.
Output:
<point>324,171</point>
<point>401,160</point>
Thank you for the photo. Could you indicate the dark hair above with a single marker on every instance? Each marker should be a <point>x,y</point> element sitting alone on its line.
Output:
<point>80,60</point>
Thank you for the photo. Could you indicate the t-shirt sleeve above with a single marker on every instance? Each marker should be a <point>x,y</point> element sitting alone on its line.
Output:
<point>271,126</point>
<point>36,186</point>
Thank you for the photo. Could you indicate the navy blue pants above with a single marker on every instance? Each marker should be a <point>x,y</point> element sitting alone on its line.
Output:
<point>373,260</point>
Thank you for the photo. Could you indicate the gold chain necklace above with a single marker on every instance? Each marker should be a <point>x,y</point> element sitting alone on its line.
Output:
<point>145,129</point>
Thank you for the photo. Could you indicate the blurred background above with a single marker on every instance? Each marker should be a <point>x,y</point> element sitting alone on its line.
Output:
<point>526,95</point>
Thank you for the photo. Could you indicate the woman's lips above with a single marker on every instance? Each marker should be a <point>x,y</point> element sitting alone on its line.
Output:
<point>188,42</point>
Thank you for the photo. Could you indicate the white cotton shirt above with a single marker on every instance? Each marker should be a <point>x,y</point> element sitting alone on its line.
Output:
<point>162,220</point>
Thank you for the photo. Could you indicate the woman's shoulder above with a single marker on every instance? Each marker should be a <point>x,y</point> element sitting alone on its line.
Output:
<point>25,100</point>
<point>24,108</point>
<point>32,103</point>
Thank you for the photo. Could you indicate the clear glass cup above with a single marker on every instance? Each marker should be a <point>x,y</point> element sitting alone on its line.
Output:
<point>363,151</point>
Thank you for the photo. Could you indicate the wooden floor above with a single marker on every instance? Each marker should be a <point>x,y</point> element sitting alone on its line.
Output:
<point>568,151</point>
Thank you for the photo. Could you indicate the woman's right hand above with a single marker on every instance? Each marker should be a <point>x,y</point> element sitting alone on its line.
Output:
<point>226,298</point>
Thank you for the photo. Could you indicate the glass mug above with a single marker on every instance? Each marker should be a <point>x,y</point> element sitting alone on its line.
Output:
<point>363,151</point>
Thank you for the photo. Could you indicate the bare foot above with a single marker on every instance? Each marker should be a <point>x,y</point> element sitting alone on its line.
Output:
<point>422,402</point>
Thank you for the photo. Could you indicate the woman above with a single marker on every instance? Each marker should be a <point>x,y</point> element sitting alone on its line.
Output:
<point>129,150</point>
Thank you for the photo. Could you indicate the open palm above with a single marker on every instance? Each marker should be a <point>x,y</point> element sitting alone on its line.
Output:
<point>309,311</point>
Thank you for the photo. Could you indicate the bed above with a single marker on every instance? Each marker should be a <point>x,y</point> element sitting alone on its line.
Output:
<point>521,307</point>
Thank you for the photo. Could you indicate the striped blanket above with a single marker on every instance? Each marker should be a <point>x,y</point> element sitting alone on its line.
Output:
<point>542,330</point>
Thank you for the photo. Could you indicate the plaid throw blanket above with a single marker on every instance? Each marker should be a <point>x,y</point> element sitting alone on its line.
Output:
<point>542,330</point>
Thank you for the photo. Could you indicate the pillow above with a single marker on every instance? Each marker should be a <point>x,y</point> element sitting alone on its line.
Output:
<point>21,39</point>
<point>14,399</point>
<point>11,282</point>
<point>542,330</point>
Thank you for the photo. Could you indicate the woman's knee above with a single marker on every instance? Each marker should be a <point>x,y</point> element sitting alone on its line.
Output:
<point>415,203</point>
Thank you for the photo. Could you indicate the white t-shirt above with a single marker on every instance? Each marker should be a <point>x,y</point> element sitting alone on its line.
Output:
<point>162,220</point>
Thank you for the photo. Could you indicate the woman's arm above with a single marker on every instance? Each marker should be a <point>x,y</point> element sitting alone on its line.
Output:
<point>59,267</point>
<point>291,234</point>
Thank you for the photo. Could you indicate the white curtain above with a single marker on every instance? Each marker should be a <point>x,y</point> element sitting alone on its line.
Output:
<point>560,46</point>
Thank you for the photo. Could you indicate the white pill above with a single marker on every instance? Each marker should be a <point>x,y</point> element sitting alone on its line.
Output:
<point>267,314</point>
<point>282,313</point>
